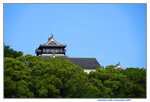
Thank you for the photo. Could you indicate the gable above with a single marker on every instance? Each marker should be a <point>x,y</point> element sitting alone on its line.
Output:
<point>52,42</point>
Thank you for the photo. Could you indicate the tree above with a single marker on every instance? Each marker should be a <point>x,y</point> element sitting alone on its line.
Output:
<point>127,83</point>
<point>55,77</point>
<point>85,91</point>
<point>138,77</point>
<point>9,52</point>
<point>16,79</point>
<point>31,76</point>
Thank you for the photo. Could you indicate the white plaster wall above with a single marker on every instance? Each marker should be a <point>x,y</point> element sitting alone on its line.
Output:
<point>89,70</point>
<point>47,54</point>
<point>52,55</point>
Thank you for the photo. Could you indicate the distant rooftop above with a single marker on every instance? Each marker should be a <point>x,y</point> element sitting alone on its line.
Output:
<point>87,63</point>
<point>118,66</point>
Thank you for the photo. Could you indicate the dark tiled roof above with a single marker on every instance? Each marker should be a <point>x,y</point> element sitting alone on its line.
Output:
<point>87,63</point>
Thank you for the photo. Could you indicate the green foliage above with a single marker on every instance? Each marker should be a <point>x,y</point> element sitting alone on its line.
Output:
<point>32,77</point>
<point>8,52</point>
<point>126,83</point>
<point>138,77</point>
<point>85,91</point>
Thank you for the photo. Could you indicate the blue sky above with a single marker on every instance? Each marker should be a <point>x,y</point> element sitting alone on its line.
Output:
<point>107,32</point>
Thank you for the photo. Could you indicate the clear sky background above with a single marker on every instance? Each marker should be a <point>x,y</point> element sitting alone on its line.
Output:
<point>107,32</point>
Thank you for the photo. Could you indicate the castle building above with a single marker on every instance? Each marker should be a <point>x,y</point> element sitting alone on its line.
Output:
<point>54,49</point>
<point>51,49</point>
<point>118,66</point>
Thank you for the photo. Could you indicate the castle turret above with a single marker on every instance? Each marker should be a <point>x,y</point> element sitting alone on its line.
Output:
<point>51,49</point>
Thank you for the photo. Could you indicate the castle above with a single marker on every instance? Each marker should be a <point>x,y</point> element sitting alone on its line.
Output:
<point>54,49</point>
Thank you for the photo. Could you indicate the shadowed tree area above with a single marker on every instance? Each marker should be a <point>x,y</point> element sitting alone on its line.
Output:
<point>32,77</point>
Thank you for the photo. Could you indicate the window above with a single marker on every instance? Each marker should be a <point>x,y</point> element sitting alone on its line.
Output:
<point>56,50</point>
<point>52,50</point>
<point>47,50</point>
<point>43,50</point>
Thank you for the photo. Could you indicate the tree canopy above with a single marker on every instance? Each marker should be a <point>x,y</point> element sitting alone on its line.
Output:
<point>33,77</point>
<point>126,83</point>
<point>9,52</point>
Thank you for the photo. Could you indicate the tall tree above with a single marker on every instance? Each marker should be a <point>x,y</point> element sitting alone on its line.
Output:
<point>9,52</point>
